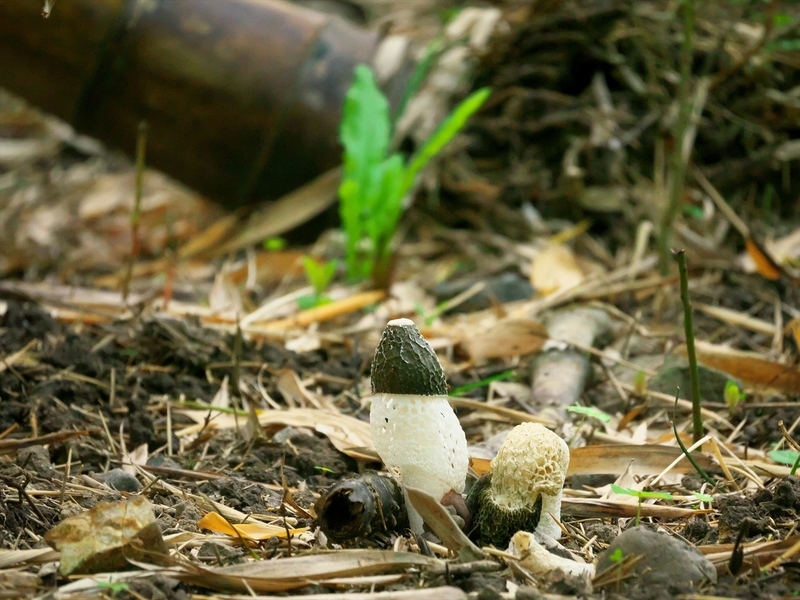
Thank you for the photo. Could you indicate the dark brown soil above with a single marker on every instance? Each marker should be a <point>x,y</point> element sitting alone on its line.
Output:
<point>64,385</point>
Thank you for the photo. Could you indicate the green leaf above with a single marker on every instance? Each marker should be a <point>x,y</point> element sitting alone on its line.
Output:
<point>590,411</point>
<point>640,494</point>
<point>444,133</point>
<point>784,457</point>
<point>364,133</point>
<point>418,76</point>
<point>732,394</point>
<point>616,555</point>
<point>274,243</point>
<point>463,389</point>
<point>319,274</point>
<point>703,497</point>
<point>386,205</point>
<point>312,301</point>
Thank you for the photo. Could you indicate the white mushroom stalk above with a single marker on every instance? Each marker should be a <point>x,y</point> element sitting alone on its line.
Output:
<point>416,432</point>
<point>523,490</point>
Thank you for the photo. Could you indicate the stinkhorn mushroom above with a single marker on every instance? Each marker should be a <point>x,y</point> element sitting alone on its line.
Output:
<point>415,431</point>
<point>523,490</point>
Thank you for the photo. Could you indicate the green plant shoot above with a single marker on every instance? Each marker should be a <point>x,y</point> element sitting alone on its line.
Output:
<point>375,182</point>
<point>640,495</point>
<point>733,395</point>
<point>790,458</point>
<point>640,383</point>
<point>319,275</point>
<point>590,411</point>
<point>274,244</point>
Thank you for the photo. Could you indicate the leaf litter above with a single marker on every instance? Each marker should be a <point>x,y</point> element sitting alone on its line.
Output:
<point>235,416</point>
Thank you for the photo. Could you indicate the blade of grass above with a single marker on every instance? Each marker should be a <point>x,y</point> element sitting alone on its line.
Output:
<point>705,476</point>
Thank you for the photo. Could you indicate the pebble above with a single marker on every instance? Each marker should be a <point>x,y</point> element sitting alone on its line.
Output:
<point>120,480</point>
<point>666,560</point>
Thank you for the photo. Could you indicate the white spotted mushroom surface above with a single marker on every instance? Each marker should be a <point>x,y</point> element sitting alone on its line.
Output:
<point>420,438</point>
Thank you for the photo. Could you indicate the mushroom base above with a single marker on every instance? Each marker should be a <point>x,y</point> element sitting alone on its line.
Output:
<point>493,524</point>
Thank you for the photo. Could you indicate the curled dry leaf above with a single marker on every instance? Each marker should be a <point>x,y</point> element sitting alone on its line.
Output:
<point>290,573</point>
<point>346,433</point>
<point>613,459</point>
<point>248,531</point>
<point>504,339</point>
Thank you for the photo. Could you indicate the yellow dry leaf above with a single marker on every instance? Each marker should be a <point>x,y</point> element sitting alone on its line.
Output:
<point>555,269</point>
<point>250,531</point>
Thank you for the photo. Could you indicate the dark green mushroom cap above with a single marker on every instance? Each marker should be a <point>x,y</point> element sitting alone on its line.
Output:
<point>405,363</point>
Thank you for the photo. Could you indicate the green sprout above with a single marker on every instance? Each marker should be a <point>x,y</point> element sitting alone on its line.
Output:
<point>640,383</point>
<point>641,495</point>
<point>733,396</point>
<point>790,458</point>
<point>463,389</point>
<point>274,243</point>
<point>590,411</point>
<point>616,556</point>
<point>325,470</point>
<point>703,497</point>
<point>375,181</point>
<point>115,587</point>
<point>319,275</point>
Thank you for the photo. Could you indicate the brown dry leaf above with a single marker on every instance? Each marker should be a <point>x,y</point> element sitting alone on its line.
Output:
<point>647,459</point>
<point>503,413</point>
<point>601,508</point>
<point>248,531</point>
<point>613,459</point>
<point>270,267</point>
<point>293,391</point>
<point>794,328</point>
<point>750,367</point>
<point>299,571</point>
<point>504,339</point>
<point>766,260</point>
<point>137,456</point>
<point>442,524</point>
<point>756,554</point>
<point>346,433</point>
<point>286,213</point>
<point>763,263</point>
<point>555,269</point>
<point>326,312</point>
<point>9,558</point>
<point>8,446</point>
<point>207,240</point>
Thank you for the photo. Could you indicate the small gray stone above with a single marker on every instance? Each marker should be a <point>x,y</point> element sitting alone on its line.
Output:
<point>674,374</point>
<point>163,461</point>
<point>36,459</point>
<point>120,480</point>
<point>499,289</point>
<point>666,560</point>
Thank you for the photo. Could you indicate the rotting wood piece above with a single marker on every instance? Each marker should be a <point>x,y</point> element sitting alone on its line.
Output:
<point>243,99</point>
<point>357,508</point>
